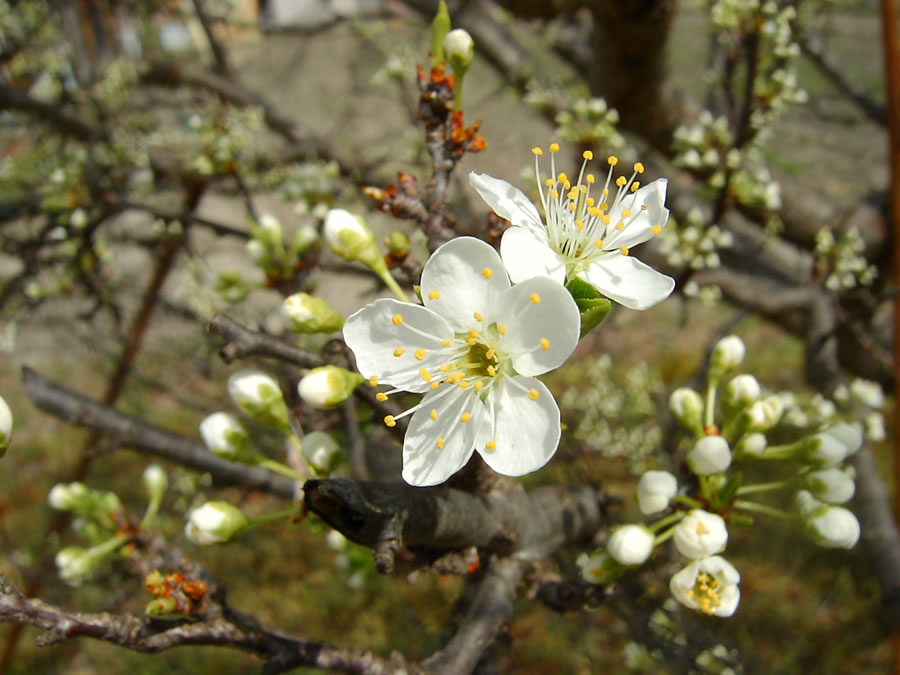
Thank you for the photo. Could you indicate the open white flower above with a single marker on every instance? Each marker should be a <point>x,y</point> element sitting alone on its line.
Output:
<point>709,585</point>
<point>473,350</point>
<point>585,236</point>
<point>700,534</point>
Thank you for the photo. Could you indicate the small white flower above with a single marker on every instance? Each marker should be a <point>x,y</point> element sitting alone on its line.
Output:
<point>831,485</point>
<point>473,350</point>
<point>654,491</point>
<point>631,544</point>
<point>588,234</point>
<point>743,390</point>
<point>215,523</point>
<point>867,392</point>
<point>709,585</point>
<point>729,352</point>
<point>321,451</point>
<point>833,527</point>
<point>6,426</point>
<point>700,534</point>
<point>155,481</point>
<point>75,564</point>
<point>349,237</point>
<point>327,387</point>
<point>599,567</point>
<point>225,436</point>
<point>459,48</point>
<point>258,395</point>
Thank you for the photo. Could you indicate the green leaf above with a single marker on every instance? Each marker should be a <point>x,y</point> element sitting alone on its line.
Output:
<point>593,307</point>
<point>729,490</point>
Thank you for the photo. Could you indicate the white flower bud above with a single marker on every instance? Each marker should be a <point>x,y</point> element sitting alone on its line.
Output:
<point>304,238</point>
<point>631,544</point>
<point>155,481</point>
<point>752,444</point>
<point>743,390</point>
<point>728,353</point>
<point>349,237</point>
<point>6,426</point>
<point>328,387</point>
<point>459,49</point>
<point>833,527</point>
<point>709,586</point>
<point>78,219</point>
<point>257,252</point>
<point>710,454</point>
<point>321,451</point>
<point>875,431</point>
<point>75,564</point>
<point>303,313</point>
<point>215,523</point>
<point>686,407</point>
<point>654,491</point>
<point>259,395</point>
<point>867,392</point>
<point>226,437</point>
<point>60,497</point>
<point>830,485</point>
<point>269,231</point>
<point>599,567</point>
<point>765,413</point>
<point>700,534</point>
<point>832,446</point>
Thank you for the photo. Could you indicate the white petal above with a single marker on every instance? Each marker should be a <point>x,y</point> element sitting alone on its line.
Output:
<point>526,255</point>
<point>628,281</point>
<point>373,337</point>
<point>526,432</point>
<point>554,318</point>
<point>637,231</point>
<point>423,462</point>
<point>508,202</point>
<point>462,277</point>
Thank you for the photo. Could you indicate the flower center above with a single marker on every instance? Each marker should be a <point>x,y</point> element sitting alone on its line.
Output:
<point>706,592</point>
<point>482,360</point>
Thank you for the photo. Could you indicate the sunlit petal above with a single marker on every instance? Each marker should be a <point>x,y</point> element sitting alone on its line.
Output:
<point>628,281</point>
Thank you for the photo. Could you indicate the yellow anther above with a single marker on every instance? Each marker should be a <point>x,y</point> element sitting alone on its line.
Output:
<point>490,353</point>
<point>623,250</point>
<point>464,384</point>
<point>656,229</point>
<point>634,186</point>
<point>435,385</point>
<point>471,340</point>
<point>473,333</point>
<point>501,329</point>
<point>457,376</point>
<point>582,189</point>
<point>399,351</point>
<point>589,179</point>
<point>567,184</point>
<point>620,181</point>
<point>545,344</point>
<point>389,421</point>
<point>424,374</point>
<point>487,272</point>
<point>446,343</point>
<point>626,213</point>
<point>465,417</point>
<point>373,381</point>
<point>599,243</point>
<point>537,151</point>
<point>381,396</point>
<point>573,206</point>
<point>612,160</point>
<point>604,206</point>
<point>535,299</point>
<point>397,319</point>
<point>549,182</point>
<point>579,224</point>
<point>445,368</point>
<point>478,385</point>
<point>594,211</point>
<point>491,371</point>
<point>605,192</point>
<point>420,354</point>
<point>605,219</point>
<point>554,147</point>
<point>562,178</point>
<point>478,316</point>
<point>639,167</point>
<point>553,193</point>
<point>533,394</point>
<point>588,155</point>
<point>433,414</point>
<point>440,443</point>
<point>490,445</point>
<point>434,295</point>
<point>573,193</point>
<point>620,225</point>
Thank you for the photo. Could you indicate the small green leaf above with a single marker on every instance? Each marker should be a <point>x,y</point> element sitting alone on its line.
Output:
<point>728,491</point>
<point>594,308</point>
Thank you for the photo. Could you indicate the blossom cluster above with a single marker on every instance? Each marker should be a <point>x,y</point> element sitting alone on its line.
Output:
<point>694,244</point>
<point>842,262</point>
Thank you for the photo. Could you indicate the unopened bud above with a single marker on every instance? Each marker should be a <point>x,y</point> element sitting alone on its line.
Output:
<point>832,446</point>
<point>742,390</point>
<point>269,231</point>
<point>258,395</point>
<point>686,407</point>
<point>631,544</point>
<point>349,237</point>
<point>303,313</point>
<point>321,452</point>
<point>709,455</point>
<point>75,564</point>
<point>155,482</point>
<point>397,244</point>
<point>751,445</point>
<point>328,386</point>
<point>833,527</point>
<point>832,486</point>
<point>459,49</point>
<point>728,353</point>
<point>304,239</point>
<point>215,523</point>
<point>655,490</point>
<point>227,438</point>
<point>599,568</point>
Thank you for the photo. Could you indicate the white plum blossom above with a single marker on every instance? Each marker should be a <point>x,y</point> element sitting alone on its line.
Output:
<point>700,534</point>
<point>631,544</point>
<point>589,231</point>
<point>709,585</point>
<point>729,352</point>
<point>215,523</point>
<point>743,390</point>
<point>654,491</point>
<point>710,454</point>
<point>473,350</point>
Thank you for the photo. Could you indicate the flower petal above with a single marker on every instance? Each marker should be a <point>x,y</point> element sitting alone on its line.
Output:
<point>375,339</point>
<point>424,463</point>
<point>462,277</point>
<point>535,314</point>
<point>637,230</point>
<point>526,431</point>
<point>628,281</point>
<point>508,202</point>
<point>527,256</point>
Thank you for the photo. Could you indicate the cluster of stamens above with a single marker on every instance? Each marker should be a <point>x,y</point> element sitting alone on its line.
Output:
<point>577,225</point>
<point>706,593</point>
<point>471,360</point>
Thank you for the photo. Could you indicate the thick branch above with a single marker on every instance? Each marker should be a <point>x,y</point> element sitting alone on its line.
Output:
<point>82,411</point>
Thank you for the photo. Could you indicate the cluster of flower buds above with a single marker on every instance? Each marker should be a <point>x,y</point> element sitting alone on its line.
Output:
<point>174,597</point>
<point>278,258</point>
<point>591,122</point>
<point>843,263</point>
<point>694,245</point>
<point>217,143</point>
<point>727,426</point>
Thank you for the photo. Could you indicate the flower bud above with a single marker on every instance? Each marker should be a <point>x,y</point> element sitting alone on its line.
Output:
<point>631,544</point>
<point>259,395</point>
<point>742,391</point>
<point>867,392</point>
<point>832,446</point>
<point>397,244</point>
<point>728,353</point>
<point>751,445</point>
<point>328,387</point>
<point>764,414</point>
<point>75,564</point>
<point>700,534</point>
<point>321,451</point>
<point>459,49</point>
<point>806,503</point>
<point>227,438</point>
<point>6,426</point>
<point>257,252</point>
<point>875,431</point>
<point>215,523</point>
<point>654,491</point>
<point>349,237</point>
<point>830,485</point>
<point>304,239</point>
<point>709,586</point>
<point>78,219</point>
<point>269,230</point>
<point>833,527</point>
<point>163,606</point>
<point>155,482</point>
<point>61,497</point>
<point>710,454</point>
<point>303,313</point>
<point>599,567</point>
<point>687,409</point>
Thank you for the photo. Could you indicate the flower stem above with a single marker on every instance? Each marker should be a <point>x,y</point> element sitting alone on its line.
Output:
<point>283,469</point>
<point>710,412</point>
<point>256,521</point>
<point>767,487</point>
<point>756,507</point>
<point>672,518</point>
<point>389,281</point>
<point>688,501</point>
